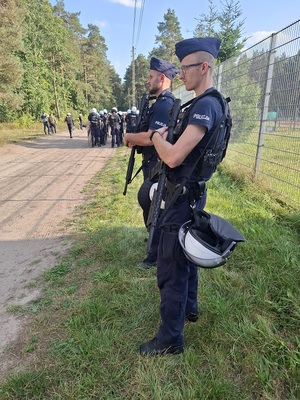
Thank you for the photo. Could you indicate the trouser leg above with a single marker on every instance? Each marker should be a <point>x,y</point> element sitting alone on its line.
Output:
<point>172,277</point>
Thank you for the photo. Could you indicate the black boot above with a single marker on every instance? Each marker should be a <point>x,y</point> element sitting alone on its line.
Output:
<point>155,348</point>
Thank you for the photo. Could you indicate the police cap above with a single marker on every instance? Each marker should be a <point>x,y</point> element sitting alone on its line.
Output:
<point>187,46</point>
<point>164,67</point>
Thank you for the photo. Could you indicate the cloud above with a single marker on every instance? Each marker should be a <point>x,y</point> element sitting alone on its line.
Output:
<point>128,3</point>
<point>258,37</point>
<point>102,24</point>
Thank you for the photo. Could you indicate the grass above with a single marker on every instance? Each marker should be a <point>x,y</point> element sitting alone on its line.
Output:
<point>13,132</point>
<point>97,307</point>
<point>278,169</point>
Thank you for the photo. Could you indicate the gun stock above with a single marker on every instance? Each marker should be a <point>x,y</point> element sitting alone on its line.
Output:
<point>158,193</point>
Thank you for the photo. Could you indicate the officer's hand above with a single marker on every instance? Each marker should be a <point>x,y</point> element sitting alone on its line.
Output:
<point>163,132</point>
<point>126,142</point>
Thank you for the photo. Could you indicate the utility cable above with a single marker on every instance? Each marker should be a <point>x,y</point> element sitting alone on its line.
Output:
<point>140,22</point>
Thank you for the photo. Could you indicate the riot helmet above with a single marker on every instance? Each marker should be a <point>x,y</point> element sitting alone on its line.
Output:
<point>208,241</point>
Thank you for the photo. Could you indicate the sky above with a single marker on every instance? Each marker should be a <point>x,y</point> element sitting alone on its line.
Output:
<point>124,27</point>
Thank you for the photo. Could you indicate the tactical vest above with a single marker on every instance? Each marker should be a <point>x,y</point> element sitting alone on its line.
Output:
<point>93,118</point>
<point>210,155</point>
<point>150,150</point>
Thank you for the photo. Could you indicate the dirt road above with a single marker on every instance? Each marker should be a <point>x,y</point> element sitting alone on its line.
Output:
<point>41,184</point>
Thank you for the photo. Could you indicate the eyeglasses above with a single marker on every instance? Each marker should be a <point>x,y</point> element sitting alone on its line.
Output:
<point>184,68</point>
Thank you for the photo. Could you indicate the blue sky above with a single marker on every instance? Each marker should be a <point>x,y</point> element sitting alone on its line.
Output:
<point>115,19</point>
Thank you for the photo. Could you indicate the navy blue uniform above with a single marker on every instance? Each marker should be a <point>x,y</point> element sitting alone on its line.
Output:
<point>177,277</point>
<point>103,130</point>
<point>114,122</point>
<point>131,120</point>
<point>70,123</point>
<point>94,119</point>
<point>158,116</point>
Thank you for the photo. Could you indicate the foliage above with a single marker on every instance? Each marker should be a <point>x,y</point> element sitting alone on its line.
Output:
<point>11,71</point>
<point>57,65</point>
<point>224,24</point>
<point>169,35</point>
<point>245,95</point>
<point>141,77</point>
<point>53,64</point>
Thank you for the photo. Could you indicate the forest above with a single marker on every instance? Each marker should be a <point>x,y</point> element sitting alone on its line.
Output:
<point>49,61</point>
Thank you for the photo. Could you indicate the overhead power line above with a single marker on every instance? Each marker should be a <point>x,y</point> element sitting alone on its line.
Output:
<point>140,23</point>
<point>137,40</point>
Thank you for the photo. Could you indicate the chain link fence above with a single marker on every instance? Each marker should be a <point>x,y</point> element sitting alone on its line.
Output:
<point>263,83</point>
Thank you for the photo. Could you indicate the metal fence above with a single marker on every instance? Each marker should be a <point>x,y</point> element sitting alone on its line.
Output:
<point>263,83</point>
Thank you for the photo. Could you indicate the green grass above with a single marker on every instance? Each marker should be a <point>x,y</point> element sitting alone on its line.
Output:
<point>278,169</point>
<point>97,307</point>
<point>14,132</point>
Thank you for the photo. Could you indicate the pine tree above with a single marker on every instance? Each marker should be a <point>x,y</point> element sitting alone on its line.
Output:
<point>224,24</point>
<point>169,34</point>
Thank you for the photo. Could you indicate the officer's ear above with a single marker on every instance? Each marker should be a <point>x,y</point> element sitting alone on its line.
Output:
<point>165,79</point>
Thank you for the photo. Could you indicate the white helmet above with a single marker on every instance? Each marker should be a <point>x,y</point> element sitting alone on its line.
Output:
<point>133,109</point>
<point>128,111</point>
<point>209,241</point>
<point>93,110</point>
<point>101,112</point>
<point>114,109</point>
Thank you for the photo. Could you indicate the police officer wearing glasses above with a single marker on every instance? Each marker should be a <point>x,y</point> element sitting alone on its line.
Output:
<point>177,277</point>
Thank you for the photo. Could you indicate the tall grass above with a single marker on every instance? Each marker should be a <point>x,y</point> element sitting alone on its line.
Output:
<point>98,307</point>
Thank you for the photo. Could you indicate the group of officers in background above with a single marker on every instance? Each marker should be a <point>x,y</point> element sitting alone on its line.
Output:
<point>100,125</point>
<point>103,124</point>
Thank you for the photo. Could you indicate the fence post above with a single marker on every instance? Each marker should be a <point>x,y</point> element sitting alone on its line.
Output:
<point>219,77</point>
<point>266,99</point>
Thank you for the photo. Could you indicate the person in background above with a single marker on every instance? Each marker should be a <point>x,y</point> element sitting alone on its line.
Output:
<point>94,119</point>
<point>44,118</point>
<point>52,123</point>
<point>70,123</point>
<point>80,117</point>
<point>131,120</point>
<point>114,122</point>
<point>103,128</point>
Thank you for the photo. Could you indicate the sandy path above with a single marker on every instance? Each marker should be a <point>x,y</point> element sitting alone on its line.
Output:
<point>41,183</point>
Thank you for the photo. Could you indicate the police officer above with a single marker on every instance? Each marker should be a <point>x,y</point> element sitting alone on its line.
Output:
<point>70,123</point>
<point>94,119</point>
<point>131,120</point>
<point>161,74</point>
<point>176,276</point>
<point>103,132</point>
<point>114,122</point>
